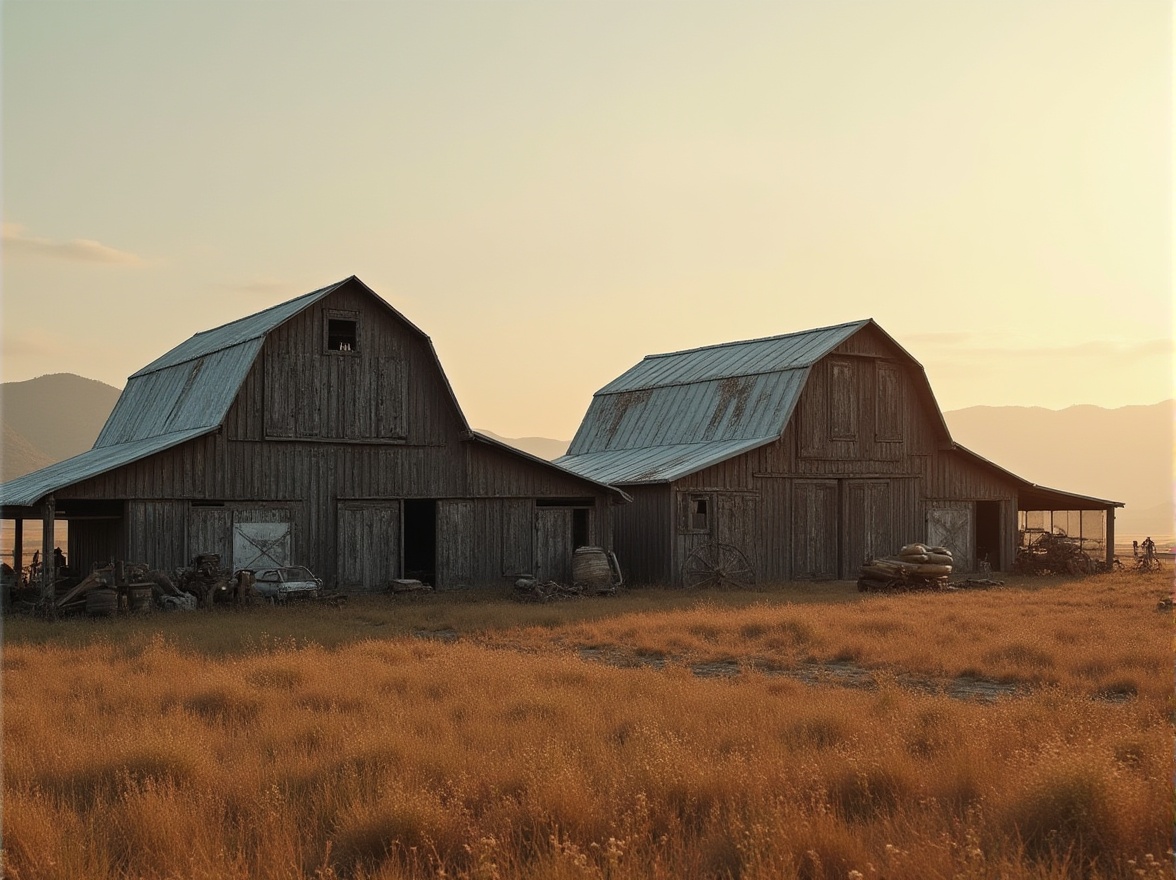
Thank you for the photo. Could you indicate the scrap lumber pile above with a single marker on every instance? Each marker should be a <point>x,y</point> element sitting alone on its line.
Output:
<point>916,567</point>
<point>1054,553</point>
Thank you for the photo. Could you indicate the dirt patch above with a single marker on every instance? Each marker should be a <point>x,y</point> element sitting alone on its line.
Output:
<point>831,674</point>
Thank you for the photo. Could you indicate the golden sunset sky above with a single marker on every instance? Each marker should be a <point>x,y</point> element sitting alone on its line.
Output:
<point>552,190</point>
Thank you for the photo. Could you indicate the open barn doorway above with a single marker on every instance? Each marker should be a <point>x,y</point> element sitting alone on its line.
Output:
<point>420,540</point>
<point>988,535</point>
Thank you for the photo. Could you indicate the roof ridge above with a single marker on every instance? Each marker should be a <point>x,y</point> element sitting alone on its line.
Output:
<point>283,304</point>
<point>859,323</point>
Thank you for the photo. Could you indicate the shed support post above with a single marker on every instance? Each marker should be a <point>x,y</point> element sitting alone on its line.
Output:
<point>1110,537</point>
<point>18,546</point>
<point>48,566</point>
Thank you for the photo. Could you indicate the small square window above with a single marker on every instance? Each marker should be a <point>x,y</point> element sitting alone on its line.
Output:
<point>342,334</point>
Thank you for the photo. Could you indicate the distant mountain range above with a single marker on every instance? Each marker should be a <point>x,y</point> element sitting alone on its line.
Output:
<point>1123,454</point>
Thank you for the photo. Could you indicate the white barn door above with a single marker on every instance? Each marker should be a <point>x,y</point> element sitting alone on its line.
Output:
<point>951,527</point>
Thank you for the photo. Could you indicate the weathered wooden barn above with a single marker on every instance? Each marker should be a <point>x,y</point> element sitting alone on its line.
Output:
<point>797,457</point>
<point>321,432</point>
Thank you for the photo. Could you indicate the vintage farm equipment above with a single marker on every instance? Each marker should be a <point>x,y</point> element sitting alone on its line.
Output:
<point>1055,552</point>
<point>718,565</point>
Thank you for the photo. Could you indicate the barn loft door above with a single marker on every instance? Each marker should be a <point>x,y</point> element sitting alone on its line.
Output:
<point>951,527</point>
<point>814,529</point>
<point>866,523</point>
<point>261,544</point>
<point>368,545</point>
<point>553,544</point>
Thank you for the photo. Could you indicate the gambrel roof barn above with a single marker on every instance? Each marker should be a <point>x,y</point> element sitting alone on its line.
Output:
<point>320,431</point>
<point>797,456</point>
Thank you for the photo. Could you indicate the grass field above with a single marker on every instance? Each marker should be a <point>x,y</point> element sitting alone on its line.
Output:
<point>468,736</point>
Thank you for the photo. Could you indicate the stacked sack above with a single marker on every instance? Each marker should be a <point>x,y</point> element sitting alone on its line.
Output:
<point>916,566</point>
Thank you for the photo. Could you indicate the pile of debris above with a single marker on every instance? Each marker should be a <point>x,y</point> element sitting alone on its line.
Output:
<point>529,589</point>
<point>209,583</point>
<point>1054,553</point>
<point>916,567</point>
<point>121,586</point>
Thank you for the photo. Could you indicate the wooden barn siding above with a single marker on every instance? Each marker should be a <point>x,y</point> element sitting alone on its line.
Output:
<point>157,533</point>
<point>94,541</point>
<point>951,478</point>
<point>317,394</point>
<point>643,535</point>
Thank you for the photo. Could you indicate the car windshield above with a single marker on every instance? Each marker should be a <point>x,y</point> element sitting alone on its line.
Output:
<point>297,573</point>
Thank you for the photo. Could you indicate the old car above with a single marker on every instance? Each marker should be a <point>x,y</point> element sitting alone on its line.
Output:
<point>289,582</point>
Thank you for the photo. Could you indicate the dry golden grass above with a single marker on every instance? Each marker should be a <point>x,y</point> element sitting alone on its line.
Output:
<point>341,746</point>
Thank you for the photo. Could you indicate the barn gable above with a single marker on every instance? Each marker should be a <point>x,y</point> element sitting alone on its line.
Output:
<point>676,414</point>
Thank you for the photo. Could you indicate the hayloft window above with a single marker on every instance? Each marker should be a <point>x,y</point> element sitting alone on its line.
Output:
<point>342,331</point>
<point>697,512</point>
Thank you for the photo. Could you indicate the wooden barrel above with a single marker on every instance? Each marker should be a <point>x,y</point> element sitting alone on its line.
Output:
<point>590,567</point>
<point>140,598</point>
<point>102,602</point>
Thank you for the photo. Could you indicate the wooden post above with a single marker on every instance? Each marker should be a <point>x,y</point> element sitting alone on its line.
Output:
<point>18,546</point>
<point>1110,537</point>
<point>48,568</point>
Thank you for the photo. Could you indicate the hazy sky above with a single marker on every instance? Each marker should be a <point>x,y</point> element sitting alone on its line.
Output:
<point>552,190</point>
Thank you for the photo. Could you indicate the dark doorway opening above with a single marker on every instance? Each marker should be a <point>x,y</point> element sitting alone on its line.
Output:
<point>988,534</point>
<point>580,531</point>
<point>420,540</point>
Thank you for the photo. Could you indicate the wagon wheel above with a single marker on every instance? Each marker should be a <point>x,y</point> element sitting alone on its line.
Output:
<point>717,565</point>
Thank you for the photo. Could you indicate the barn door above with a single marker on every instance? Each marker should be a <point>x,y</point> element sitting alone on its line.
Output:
<point>737,523</point>
<point>261,545</point>
<point>867,529</point>
<point>814,529</point>
<point>455,544</point>
<point>368,545</point>
<point>210,530</point>
<point>553,544</point>
<point>951,527</point>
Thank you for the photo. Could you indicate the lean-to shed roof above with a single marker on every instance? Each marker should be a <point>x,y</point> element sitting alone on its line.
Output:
<point>674,414</point>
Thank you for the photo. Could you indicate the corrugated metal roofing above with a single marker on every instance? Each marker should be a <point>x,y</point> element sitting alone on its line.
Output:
<point>655,464</point>
<point>188,395</point>
<point>31,488</point>
<point>674,414</point>
<point>747,358</point>
<point>251,327</point>
<point>183,394</point>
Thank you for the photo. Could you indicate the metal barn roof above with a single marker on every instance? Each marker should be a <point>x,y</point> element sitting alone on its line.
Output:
<point>31,488</point>
<point>674,414</point>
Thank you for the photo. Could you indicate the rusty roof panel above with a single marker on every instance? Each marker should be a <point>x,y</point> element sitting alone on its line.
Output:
<point>735,408</point>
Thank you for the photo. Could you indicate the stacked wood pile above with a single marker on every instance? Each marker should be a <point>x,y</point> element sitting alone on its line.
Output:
<point>916,567</point>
